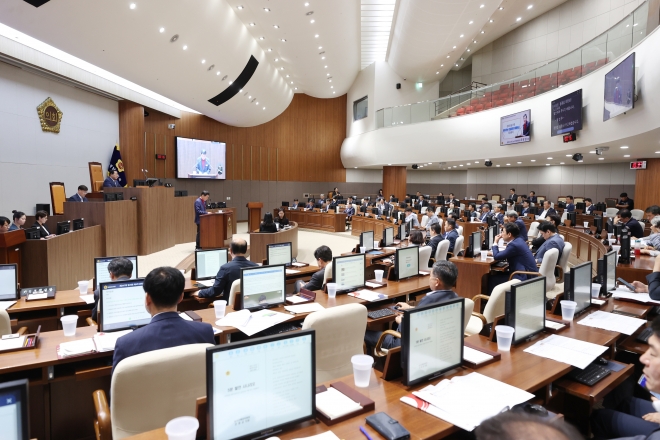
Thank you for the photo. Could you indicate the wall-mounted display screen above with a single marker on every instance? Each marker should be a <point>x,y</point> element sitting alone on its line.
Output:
<point>638,165</point>
<point>620,88</point>
<point>515,128</point>
<point>197,159</point>
<point>567,114</point>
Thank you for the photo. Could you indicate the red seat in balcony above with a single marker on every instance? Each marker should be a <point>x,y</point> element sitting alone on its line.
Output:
<point>488,105</point>
<point>469,109</point>
<point>460,111</point>
<point>478,108</point>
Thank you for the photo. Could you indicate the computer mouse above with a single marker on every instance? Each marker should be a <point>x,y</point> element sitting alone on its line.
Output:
<point>537,410</point>
<point>601,360</point>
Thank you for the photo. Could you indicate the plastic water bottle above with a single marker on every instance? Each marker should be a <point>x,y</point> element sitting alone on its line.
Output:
<point>638,248</point>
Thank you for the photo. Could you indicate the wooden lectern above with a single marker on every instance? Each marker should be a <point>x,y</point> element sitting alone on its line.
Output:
<point>254,215</point>
<point>215,230</point>
<point>10,248</point>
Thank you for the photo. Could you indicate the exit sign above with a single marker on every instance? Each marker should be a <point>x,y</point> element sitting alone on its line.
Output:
<point>638,165</point>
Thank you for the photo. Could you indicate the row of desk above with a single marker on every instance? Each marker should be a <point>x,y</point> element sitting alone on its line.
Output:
<point>322,221</point>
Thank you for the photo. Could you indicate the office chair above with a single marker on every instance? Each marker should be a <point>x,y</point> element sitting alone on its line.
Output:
<point>637,214</point>
<point>562,264</point>
<point>547,270</point>
<point>57,197</point>
<point>137,383</point>
<point>458,246</point>
<point>494,307</point>
<point>424,257</point>
<point>328,273</point>
<point>425,220</point>
<point>441,251</point>
<point>235,288</point>
<point>611,212</point>
<point>5,325</point>
<point>533,230</point>
<point>339,336</point>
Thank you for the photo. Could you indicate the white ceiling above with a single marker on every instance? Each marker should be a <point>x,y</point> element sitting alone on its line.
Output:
<point>375,25</point>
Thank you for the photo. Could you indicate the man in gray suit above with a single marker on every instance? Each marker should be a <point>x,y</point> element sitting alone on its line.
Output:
<point>323,255</point>
<point>552,241</point>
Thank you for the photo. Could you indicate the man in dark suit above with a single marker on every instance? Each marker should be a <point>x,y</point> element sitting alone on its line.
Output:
<point>323,255</point>
<point>513,197</point>
<point>119,269</point>
<point>200,209</point>
<point>320,201</point>
<point>80,195</point>
<point>625,217</point>
<point>589,207</point>
<point>625,202</point>
<point>295,204</point>
<point>525,209</point>
<point>570,204</point>
<point>112,181</point>
<point>454,200</point>
<point>164,291</point>
<point>547,210</point>
<point>451,233</point>
<point>552,241</point>
<point>383,208</point>
<point>203,166</point>
<point>525,125</point>
<point>485,213</point>
<point>310,204</point>
<point>653,280</point>
<point>441,282</point>
<point>436,238</point>
<point>532,197</point>
<point>512,216</point>
<point>421,202</point>
<point>229,272</point>
<point>484,200</point>
<point>349,210</point>
<point>517,253</point>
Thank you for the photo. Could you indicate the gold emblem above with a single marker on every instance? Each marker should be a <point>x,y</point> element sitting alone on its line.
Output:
<point>50,116</point>
<point>120,166</point>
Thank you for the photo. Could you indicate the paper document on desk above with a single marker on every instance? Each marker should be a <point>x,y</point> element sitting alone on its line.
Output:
<point>368,295</point>
<point>291,271</point>
<point>613,322</point>
<point>77,348</point>
<point>261,320</point>
<point>373,285</point>
<point>305,308</point>
<point>627,294</point>
<point>299,264</point>
<point>475,356</point>
<point>296,299</point>
<point>335,404</point>
<point>89,299</point>
<point>567,350</point>
<point>206,283</point>
<point>234,319</point>
<point>106,341</point>
<point>328,435</point>
<point>466,401</point>
<point>9,344</point>
<point>4,305</point>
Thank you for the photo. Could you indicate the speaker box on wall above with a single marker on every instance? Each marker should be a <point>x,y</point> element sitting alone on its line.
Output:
<point>44,207</point>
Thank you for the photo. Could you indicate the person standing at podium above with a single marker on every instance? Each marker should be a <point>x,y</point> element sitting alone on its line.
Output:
<point>19,220</point>
<point>80,195</point>
<point>200,209</point>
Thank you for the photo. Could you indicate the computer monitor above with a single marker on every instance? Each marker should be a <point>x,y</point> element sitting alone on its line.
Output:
<point>121,306</point>
<point>572,216</point>
<point>402,231</point>
<point>262,287</point>
<point>598,223</point>
<point>258,387</point>
<point>32,234</point>
<point>8,282</point>
<point>525,309</point>
<point>581,206</point>
<point>101,274</point>
<point>285,203</point>
<point>432,340</point>
<point>388,236</point>
<point>492,233</point>
<point>279,253</point>
<point>474,244</point>
<point>607,272</point>
<point>78,223</point>
<point>367,240</point>
<point>519,209</point>
<point>63,227</point>
<point>208,262</point>
<point>348,272</point>
<point>580,287</point>
<point>110,197</point>
<point>406,263</point>
<point>14,410</point>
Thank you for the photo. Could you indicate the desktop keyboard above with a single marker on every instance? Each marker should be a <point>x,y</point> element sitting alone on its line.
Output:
<point>589,376</point>
<point>380,313</point>
<point>279,328</point>
<point>645,335</point>
<point>501,264</point>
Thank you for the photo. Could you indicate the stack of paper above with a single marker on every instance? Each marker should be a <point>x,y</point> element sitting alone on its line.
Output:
<point>291,271</point>
<point>4,305</point>
<point>305,308</point>
<point>106,341</point>
<point>567,350</point>
<point>299,264</point>
<point>235,319</point>
<point>334,404</point>
<point>89,299</point>
<point>613,322</point>
<point>627,294</point>
<point>207,283</point>
<point>12,343</point>
<point>251,323</point>
<point>373,285</point>
<point>77,348</point>
<point>368,295</point>
<point>296,299</point>
<point>328,435</point>
<point>475,356</point>
<point>554,325</point>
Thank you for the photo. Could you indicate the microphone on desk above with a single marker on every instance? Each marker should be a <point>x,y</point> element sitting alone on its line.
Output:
<point>145,173</point>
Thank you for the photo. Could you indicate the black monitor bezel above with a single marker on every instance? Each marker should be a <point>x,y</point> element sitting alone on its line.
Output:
<point>603,275</point>
<point>398,260</point>
<point>268,246</point>
<point>100,306</point>
<point>78,221</point>
<point>406,334</point>
<point>240,304</point>
<point>334,272</point>
<point>66,224</point>
<point>128,257</point>
<point>385,236</point>
<point>247,343</point>
<point>17,292</point>
<point>572,285</point>
<point>197,278</point>
<point>510,313</point>
<point>23,386</point>
<point>362,241</point>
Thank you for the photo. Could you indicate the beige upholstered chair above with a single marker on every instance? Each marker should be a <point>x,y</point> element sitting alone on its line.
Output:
<point>637,214</point>
<point>480,196</point>
<point>425,220</point>
<point>5,324</point>
<point>496,197</point>
<point>339,335</point>
<point>140,402</point>
<point>533,230</point>
<point>328,273</point>
<point>467,313</point>
<point>57,197</point>
<point>547,270</point>
<point>441,251</point>
<point>424,257</point>
<point>494,307</point>
<point>563,261</point>
<point>459,229</point>
<point>611,212</point>
<point>96,176</point>
<point>235,287</point>
<point>458,246</point>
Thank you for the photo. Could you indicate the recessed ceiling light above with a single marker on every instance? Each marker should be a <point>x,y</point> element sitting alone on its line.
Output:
<point>291,82</point>
<point>625,147</point>
<point>330,80</point>
<point>322,58</point>
<point>461,58</point>
<point>593,152</point>
<point>569,155</point>
<point>601,158</point>
<point>203,61</point>
<point>240,7</point>
<point>442,65</point>
<point>460,165</point>
<point>240,91</point>
<point>264,108</point>
<point>266,9</point>
<point>287,76</point>
<point>454,47</point>
<point>295,88</point>
<point>462,35</point>
<point>327,74</point>
<point>311,21</point>
<point>562,163</point>
<point>475,41</point>
<point>252,24</point>
<point>283,40</point>
<point>547,164</point>
<point>230,82</point>
<point>483,32</point>
<point>185,47</point>
<point>533,160</point>
<point>519,18</point>
<point>476,161</point>
<point>518,162</point>
<point>481,6</point>
<point>491,21</point>
<point>332,87</point>
<point>508,164</point>
<point>333,93</point>
<point>276,26</point>
<point>281,68</point>
<point>456,65</point>
<point>306,3</point>
<point>277,59</point>
<point>447,56</point>
<point>218,73</point>
<point>316,36</point>
<point>161,30</point>
<point>250,97</point>
<point>261,38</point>
<point>325,67</point>
<point>626,155</point>
<point>320,47</point>
<point>257,103</point>
<point>497,166</point>
<point>468,50</point>
<point>549,158</point>
<point>132,6</point>
<point>530,6</point>
<point>437,73</point>
<point>501,8</point>
<point>270,50</point>
<point>471,22</point>
<point>657,152</point>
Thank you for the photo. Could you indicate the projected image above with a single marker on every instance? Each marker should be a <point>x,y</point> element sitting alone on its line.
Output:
<point>620,88</point>
<point>515,128</point>
<point>197,159</point>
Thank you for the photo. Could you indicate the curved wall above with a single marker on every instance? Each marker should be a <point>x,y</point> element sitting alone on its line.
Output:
<point>476,136</point>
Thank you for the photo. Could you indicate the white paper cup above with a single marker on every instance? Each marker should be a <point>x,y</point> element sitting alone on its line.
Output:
<point>376,244</point>
<point>182,428</point>
<point>504,337</point>
<point>567,310</point>
<point>610,235</point>
<point>586,224</point>
<point>484,255</point>
<point>379,275</point>
<point>332,290</point>
<point>69,324</point>
<point>362,249</point>
<point>82,286</point>
<point>595,290</point>
<point>220,306</point>
<point>362,369</point>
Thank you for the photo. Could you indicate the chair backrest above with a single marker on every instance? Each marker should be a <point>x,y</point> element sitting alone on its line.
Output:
<point>480,196</point>
<point>425,220</point>
<point>564,216</point>
<point>540,199</point>
<point>579,199</point>
<point>328,273</point>
<point>496,197</point>
<point>235,287</point>
<point>460,230</point>
<point>533,230</point>
<point>96,176</point>
<point>339,336</point>
<point>424,209</point>
<point>547,268</point>
<point>138,383</point>
<point>458,245</point>
<point>424,257</point>
<point>5,323</point>
<point>561,199</point>
<point>611,212</point>
<point>469,308</point>
<point>637,214</point>
<point>57,197</point>
<point>565,255</point>
<point>441,250</point>
<point>497,302</point>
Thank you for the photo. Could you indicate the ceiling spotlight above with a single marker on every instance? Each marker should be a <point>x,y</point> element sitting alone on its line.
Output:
<point>549,158</point>
<point>261,38</point>
<point>518,163</point>
<point>203,61</point>
<point>593,152</point>
<point>456,65</point>
<point>483,32</point>
<point>447,56</point>
<point>487,163</point>
<point>625,147</point>
<point>295,88</point>
<point>568,155</point>
<point>601,158</point>
<point>306,3</point>
<point>320,47</point>
<point>454,47</point>
<point>547,164</point>
<point>332,87</point>
<point>218,73</point>
<point>270,50</point>
<point>533,160</point>
<point>283,40</point>
<point>481,6</point>
<point>519,18</point>
<point>562,163</point>
<point>287,76</point>
<point>276,26</point>
<point>471,22</point>
<point>461,58</point>
<point>281,68</point>
<point>316,36</point>
<point>468,50</point>
<point>325,67</point>
<point>327,74</point>
<point>626,155</point>
<point>240,91</point>
<point>185,47</point>
<point>322,58</point>
<point>501,8</point>
<point>277,59</point>
<point>250,97</point>
<point>508,164</point>
<point>132,6</point>
<point>311,21</point>
<point>442,65</point>
<point>462,36</point>
<point>530,6</point>
<point>577,157</point>
<point>252,24</point>
<point>230,82</point>
<point>437,73</point>
<point>333,93</point>
<point>257,103</point>
<point>239,7</point>
<point>266,9</point>
<point>264,108</point>
<point>491,21</point>
<point>475,41</point>
<point>161,30</point>
<point>329,80</point>
<point>291,82</point>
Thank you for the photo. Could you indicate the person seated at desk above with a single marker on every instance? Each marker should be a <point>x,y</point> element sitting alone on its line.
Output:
<point>512,216</point>
<point>589,207</point>
<point>416,239</point>
<point>570,204</point>
<point>229,272</point>
<point>625,202</point>
<point>310,204</point>
<point>484,200</point>
<point>510,425</point>
<point>653,240</point>
<point>451,233</point>
<point>517,254</point>
<point>268,225</point>
<point>500,214</point>
<point>323,255</point>
<point>433,219</point>
<point>471,211</point>
<point>532,197</point>
<point>624,217</point>
<point>349,210</point>
<point>547,210</point>
<point>538,241</point>
<point>336,194</point>
<point>119,269</point>
<point>163,287</point>
<point>651,212</point>
<point>295,204</point>
<point>384,209</point>
<point>552,241</point>
<point>281,219</point>
<point>451,210</point>
<point>40,224</point>
<point>80,195</point>
<point>525,209</point>
<point>453,200</point>
<point>421,203</point>
<point>436,238</point>
<point>112,181</point>
<point>411,217</point>
<point>513,197</point>
<point>440,200</point>
<point>441,282</point>
<point>4,224</point>
<point>485,213</point>
<point>320,201</point>
<point>653,279</point>
<point>19,220</point>
<point>630,417</point>
<point>418,196</point>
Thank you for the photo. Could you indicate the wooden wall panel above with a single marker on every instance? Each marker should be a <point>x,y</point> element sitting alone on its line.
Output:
<point>394,181</point>
<point>131,138</point>
<point>647,185</point>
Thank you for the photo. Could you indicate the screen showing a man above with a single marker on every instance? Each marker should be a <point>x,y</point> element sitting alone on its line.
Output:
<point>199,159</point>
<point>203,165</point>
<point>515,128</point>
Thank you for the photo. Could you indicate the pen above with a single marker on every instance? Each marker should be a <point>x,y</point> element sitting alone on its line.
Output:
<point>364,431</point>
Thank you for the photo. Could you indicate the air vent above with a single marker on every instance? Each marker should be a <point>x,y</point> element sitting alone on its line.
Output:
<point>321,53</point>
<point>210,67</point>
<point>309,13</point>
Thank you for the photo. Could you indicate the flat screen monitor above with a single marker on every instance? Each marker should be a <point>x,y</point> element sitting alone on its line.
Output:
<point>367,240</point>
<point>14,410</point>
<point>32,234</point>
<point>263,287</point>
<point>63,227</point>
<point>78,223</point>
<point>598,223</point>
<point>492,233</point>
<point>402,231</point>
<point>607,271</point>
<point>516,128</point>
<point>8,282</point>
<point>432,340</point>
<point>121,306</point>
<point>279,253</point>
<point>525,308</point>
<point>407,262</point>
<point>200,159</point>
<point>572,216</point>
<point>348,272</point>
<point>580,286</point>
<point>620,88</point>
<point>101,274</point>
<point>566,114</point>
<point>475,243</point>
<point>388,236</point>
<point>208,262</point>
<point>257,388</point>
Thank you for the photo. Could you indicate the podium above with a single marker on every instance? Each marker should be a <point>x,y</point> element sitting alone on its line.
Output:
<point>10,248</point>
<point>254,215</point>
<point>215,230</point>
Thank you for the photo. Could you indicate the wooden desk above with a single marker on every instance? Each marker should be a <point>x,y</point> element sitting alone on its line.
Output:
<point>360,224</point>
<point>11,250</point>
<point>637,269</point>
<point>182,216</point>
<point>472,275</point>
<point>318,220</point>
<point>259,241</point>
